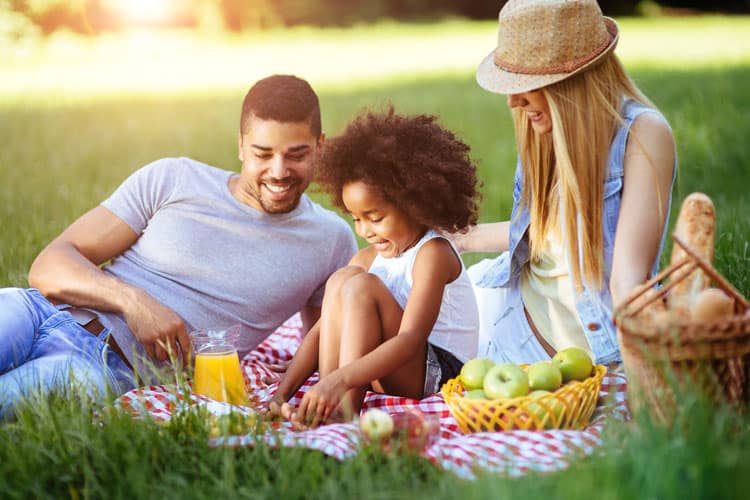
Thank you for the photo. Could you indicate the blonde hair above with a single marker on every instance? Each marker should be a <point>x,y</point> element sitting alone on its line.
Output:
<point>564,172</point>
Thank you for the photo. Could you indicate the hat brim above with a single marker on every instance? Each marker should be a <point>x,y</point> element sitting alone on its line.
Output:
<point>499,81</point>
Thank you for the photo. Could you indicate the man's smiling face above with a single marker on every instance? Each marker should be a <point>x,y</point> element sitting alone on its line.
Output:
<point>277,164</point>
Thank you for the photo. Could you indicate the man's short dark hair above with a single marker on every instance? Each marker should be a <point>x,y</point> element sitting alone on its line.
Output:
<point>282,98</point>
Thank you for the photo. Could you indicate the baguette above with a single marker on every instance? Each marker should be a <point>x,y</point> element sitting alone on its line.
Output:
<point>696,225</point>
<point>712,304</point>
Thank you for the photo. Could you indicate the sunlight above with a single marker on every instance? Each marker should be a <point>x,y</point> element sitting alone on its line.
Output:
<point>184,61</point>
<point>143,11</point>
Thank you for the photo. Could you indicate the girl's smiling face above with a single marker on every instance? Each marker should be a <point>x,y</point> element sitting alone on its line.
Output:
<point>385,226</point>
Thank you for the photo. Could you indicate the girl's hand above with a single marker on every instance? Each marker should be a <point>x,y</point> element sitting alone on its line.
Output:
<point>320,401</point>
<point>279,407</point>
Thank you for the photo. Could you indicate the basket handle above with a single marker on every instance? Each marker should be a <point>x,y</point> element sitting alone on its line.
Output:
<point>641,289</point>
<point>715,276</point>
<point>692,260</point>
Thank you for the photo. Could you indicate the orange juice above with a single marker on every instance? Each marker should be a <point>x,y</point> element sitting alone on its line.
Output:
<point>218,376</point>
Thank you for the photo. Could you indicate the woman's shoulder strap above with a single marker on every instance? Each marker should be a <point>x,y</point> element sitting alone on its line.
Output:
<point>630,110</point>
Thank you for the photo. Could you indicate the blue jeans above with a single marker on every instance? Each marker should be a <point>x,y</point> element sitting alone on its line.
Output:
<point>43,349</point>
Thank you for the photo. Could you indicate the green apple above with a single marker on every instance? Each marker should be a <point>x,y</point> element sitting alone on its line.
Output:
<point>538,393</point>
<point>473,372</point>
<point>476,394</point>
<point>376,425</point>
<point>506,380</point>
<point>544,375</point>
<point>574,363</point>
<point>541,405</point>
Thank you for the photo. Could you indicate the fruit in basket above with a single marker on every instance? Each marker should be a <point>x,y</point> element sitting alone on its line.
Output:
<point>473,372</point>
<point>574,363</point>
<point>376,424</point>
<point>506,380</point>
<point>476,394</point>
<point>712,304</point>
<point>543,404</point>
<point>544,375</point>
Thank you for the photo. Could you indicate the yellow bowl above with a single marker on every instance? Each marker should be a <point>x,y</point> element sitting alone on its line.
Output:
<point>569,407</point>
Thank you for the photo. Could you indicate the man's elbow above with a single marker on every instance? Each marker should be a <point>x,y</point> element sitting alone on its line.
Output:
<point>37,279</point>
<point>41,278</point>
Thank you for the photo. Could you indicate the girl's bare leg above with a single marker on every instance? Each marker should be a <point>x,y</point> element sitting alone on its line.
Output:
<point>330,319</point>
<point>370,316</point>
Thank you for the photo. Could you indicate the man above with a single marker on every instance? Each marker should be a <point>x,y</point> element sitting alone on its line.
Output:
<point>189,246</point>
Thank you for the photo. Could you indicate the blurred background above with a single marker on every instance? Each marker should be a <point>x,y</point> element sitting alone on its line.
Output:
<point>95,16</point>
<point>84,48</point>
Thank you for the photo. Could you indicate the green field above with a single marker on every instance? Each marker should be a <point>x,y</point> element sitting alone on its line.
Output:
<point>76,117</point>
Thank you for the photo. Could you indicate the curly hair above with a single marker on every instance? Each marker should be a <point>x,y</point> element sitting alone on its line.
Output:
<point>412,162</point>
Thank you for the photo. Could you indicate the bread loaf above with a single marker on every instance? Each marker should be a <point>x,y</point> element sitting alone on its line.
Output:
<point>654,309</point>
<point>696,225</point>
<point>712,304</point>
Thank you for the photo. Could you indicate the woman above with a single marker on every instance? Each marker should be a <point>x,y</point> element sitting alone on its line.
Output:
<point>592,186</point>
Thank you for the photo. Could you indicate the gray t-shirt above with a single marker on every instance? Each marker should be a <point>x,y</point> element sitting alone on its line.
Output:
<point>216,261</point>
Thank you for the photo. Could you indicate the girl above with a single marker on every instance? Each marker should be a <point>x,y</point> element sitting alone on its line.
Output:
<point>592,186</point>
<point>401,318</point>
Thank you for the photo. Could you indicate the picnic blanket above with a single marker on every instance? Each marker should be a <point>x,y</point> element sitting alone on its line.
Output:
<point>513,453</point>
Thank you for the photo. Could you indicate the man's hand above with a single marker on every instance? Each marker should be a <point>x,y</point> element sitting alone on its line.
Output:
<point>67,270</point>
<point>161,331</point>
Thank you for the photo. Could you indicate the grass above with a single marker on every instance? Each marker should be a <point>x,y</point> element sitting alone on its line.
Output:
<point>69,141</point>
<point>56,450</point>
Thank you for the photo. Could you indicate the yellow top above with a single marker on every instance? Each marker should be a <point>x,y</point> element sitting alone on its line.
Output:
<point>548,294</point>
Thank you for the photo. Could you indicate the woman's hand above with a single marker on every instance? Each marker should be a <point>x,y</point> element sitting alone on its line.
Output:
<point>320,401</point>
<point>486,237</point>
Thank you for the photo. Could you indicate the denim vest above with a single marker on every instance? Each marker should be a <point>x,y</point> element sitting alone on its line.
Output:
<point>593,304</point>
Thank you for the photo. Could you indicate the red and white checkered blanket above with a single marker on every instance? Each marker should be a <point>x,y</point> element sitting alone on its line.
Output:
<point>513,453</point>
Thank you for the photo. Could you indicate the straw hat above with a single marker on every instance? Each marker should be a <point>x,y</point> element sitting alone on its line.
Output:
<point>541,42</point>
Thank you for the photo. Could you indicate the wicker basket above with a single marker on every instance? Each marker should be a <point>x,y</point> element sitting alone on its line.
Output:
<point>663,352</point>
<point>569,407</point>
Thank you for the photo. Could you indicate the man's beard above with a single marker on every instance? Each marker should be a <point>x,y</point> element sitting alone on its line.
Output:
<point>274,207</point>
